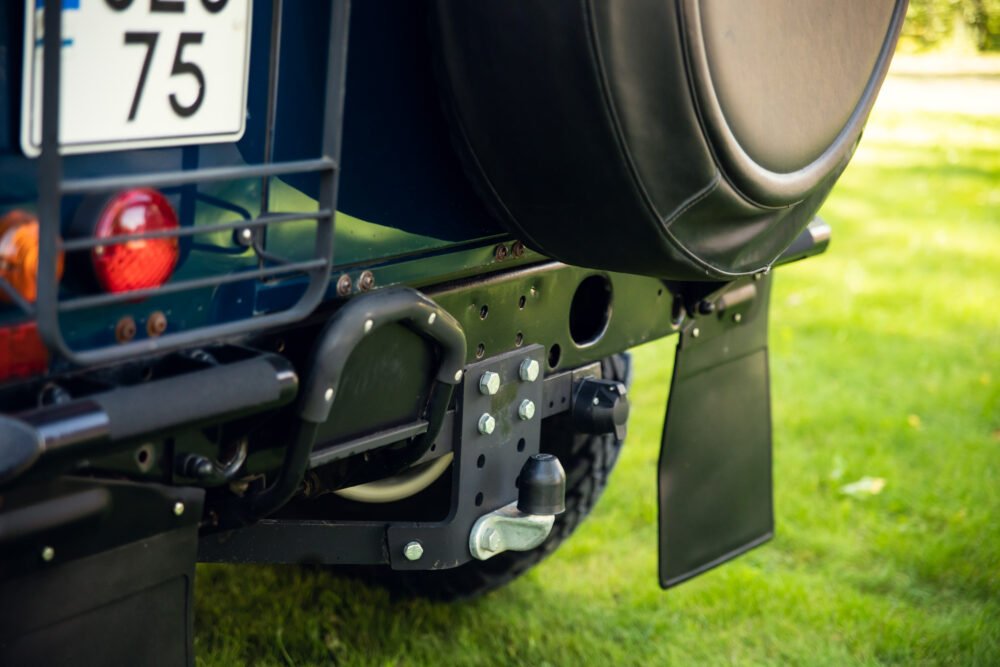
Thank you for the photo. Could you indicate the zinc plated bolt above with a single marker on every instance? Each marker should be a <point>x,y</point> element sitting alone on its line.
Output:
<point>528,370</point>
<point>526,410</point>
<point>487,424</point>
<point>490,540</point>
<point>413,550</point>
<point>178,508</point>
<point>489,383</point>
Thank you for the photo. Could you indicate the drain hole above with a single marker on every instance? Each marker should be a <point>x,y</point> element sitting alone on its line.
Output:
<point>590,310</point>
<point>484,311</point>
<point>479,499</point>
<point>481,461</point>
<point>520,302</point>
<point>521,444</point>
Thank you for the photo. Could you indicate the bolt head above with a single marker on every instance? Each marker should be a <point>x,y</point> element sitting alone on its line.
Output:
<point>489,383</point>
<point>737,317</point>
<point>246,234</point>
<point>526,410</point>
<point>458,376</point>
<point>328,394</point>
<point>413,550</point>
<point>487,424</point>
<point>695,332</point>
<point>431,318</point>
<point>491,540</point>
<point>368,325</point>
<point>529,370</point>
<point>178,508</point>
<point>48,553</point>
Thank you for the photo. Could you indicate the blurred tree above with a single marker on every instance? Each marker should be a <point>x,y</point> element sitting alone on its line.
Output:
<point>928,22</point>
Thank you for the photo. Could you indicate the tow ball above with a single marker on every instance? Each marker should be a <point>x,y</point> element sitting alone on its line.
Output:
<point>524,524</point>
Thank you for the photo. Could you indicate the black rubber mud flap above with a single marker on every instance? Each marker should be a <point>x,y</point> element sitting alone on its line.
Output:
<point>715,498</point>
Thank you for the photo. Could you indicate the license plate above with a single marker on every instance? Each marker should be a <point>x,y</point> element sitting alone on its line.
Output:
<point>141,74</point>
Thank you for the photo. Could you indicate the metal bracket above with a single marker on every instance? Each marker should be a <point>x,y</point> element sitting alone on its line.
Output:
<point>508,529</point>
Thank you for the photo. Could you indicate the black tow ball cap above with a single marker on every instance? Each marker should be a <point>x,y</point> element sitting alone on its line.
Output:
<point>600,406</point>
<point>542,486</point>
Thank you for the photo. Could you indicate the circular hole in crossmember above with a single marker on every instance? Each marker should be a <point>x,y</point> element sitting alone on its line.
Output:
<point>479,499</point>
<point>555,354</point>
<point>590,310</point>
<point>521,444</point>
<point>481,461</point>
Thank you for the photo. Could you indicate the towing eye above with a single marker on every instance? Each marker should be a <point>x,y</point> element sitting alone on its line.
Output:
<point>348,327</point>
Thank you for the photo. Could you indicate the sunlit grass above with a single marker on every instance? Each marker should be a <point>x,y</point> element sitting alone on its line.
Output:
<point>885,363</point>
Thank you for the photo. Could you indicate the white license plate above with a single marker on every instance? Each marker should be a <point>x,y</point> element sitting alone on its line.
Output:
<point>141,74</point>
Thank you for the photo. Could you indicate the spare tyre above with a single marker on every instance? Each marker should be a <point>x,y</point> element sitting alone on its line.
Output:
<point>683,139</point>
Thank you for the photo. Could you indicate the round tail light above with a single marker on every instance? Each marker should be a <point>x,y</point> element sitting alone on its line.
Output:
<point>143,262</point>
<point>19,254</point>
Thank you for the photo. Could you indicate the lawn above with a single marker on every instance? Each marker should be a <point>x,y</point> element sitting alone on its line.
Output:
<point>885,360</point>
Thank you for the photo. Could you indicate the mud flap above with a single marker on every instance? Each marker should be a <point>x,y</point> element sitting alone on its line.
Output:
<point>715,499</point>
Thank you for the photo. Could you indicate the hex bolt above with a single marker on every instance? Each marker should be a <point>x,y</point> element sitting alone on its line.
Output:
<point>490,539</point>
<point>48,553</point>
<point>526,410</point>
<point>737,317</point>
<point>528,370</point>
<point>178,508</point>
<point>489,383</point>
<point>487,424</point>
<point>413,550</point>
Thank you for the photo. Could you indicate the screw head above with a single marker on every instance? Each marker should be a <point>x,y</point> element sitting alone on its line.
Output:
<point>366,281</point>
<point>489,383</point>
<point>413,550</point>
<point>529,370</point>
<point>344,285</point>
<point>526,410</point>
<point>48,553</point>
<point>178,508</point>
<point>487,424</point>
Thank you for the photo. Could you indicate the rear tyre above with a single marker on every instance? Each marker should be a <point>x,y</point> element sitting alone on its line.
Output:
<point>588,461</point>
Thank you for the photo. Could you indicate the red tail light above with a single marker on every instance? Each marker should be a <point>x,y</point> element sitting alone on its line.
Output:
<point>139,263</point>
<point>22,353</point>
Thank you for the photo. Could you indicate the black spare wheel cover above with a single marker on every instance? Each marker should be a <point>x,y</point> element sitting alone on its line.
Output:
<point>685,139</point>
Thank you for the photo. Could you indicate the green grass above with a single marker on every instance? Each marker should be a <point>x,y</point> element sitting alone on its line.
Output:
<point>885,363</point>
